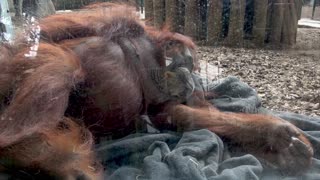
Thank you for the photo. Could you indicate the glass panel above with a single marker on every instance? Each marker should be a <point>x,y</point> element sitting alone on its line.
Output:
<point>159,89</point>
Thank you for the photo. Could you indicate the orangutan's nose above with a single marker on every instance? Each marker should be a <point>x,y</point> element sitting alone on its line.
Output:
<point>185,77</point>
<point>182,59</point>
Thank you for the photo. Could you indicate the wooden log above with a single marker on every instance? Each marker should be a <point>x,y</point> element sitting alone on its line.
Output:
<point>299,5</point>
<point>11,5</point>
<point>313,8</point>
<point>202,22</point>
<point>172,16</point>
<point>159,13</point>
<point>38,8</point>
<point>276,21</point>
<point>181,15</point>
<point>18,4</point>
<point>214,21</point>
<point>285,36</point>
<point>298,8</point>
<point>268,26</point>
<point>289,28</point>
<point>191,18</point>
<point>236,23</point>
<point>148,8</point>
<point>260,21</point>
<point>44,8</point>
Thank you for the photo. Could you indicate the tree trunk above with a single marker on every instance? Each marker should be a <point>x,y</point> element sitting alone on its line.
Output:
<point>202,22</point>
<point>236,23</point>
<point>44,8</point>
<point>296,8</point>
<point>181,15</point>
<point>172,18</point>
<point>18,7</point>
<point>2,26</point>
<point>276,21</point>
<point>36,8</point>
<point>159,13</point>
<point>11,5</point>
<point>148,9</point>
<point>191,18</point>
<point>299,4</point>
<point>290,25</point>
<point>313,8</point>
<point>6,27</point>
<point>260,21</point>
<point>214,21</point>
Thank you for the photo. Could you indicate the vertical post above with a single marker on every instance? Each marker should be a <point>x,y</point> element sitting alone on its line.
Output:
<point>148,9</point>
<point>159,13</point>
<point>276,21</point>
<point>314,8</point>
<point>259,21</point>
<point>141,6</point>
<point>181,16</point>
<point>214,21</point>
<point>6,26</point>
<point>44,8</point>
<point>290,24</point>
<point>191,18</point>
<point>172,19</point>
<point>18,8</point>
<point>299,5</point>
<point>11,5</point>
<point>236,23</point>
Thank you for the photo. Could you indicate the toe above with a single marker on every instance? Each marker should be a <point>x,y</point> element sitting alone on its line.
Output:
<point>282,135</point>
<point>300,149</point>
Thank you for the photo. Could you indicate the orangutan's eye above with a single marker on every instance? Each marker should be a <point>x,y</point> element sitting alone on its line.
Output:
<point>170,44</point>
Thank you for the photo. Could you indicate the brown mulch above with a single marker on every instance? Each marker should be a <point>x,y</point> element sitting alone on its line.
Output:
<point>286,80</point>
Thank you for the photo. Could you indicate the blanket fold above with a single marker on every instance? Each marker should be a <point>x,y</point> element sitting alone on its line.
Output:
<point>201,155</point>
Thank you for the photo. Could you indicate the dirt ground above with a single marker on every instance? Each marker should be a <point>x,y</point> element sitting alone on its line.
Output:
<point>286,80</point>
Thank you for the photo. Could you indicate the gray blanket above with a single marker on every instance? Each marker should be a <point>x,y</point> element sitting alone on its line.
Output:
<point>201,155</point>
